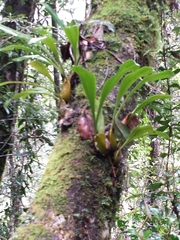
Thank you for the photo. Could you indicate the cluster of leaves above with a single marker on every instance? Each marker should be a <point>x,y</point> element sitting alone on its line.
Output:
<point>132,73</point>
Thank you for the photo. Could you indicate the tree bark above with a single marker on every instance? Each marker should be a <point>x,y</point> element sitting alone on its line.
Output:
<point>80,190</point>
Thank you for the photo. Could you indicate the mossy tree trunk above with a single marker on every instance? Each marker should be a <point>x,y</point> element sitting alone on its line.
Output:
<point>80,190</point>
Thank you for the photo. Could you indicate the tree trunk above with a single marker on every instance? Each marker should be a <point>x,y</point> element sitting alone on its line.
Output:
<point>80,190</point>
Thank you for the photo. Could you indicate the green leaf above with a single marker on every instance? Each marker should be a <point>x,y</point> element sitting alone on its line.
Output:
<point>120,130</point>
<point>18,46</point>
<point>18,82</point>
<point>155,186</point>
<point>36,40</point>
<point>138,132</point>
<point>141,131</point>
<point>14,33</point>
<point>150,78</point>
<point>54,15</point>
<point>127,82</point>
<point>72,33</point>
<point>149,100</point>
<point>126,67</point>
<point>100,126</point>
<point>173,236</point>
<point>147,233</point>
<point>27,57</point>
<point>51,44</point>
<point>161,134</point>
<point>37,90</point>
<point>40,67</point>
<point>88,81</point>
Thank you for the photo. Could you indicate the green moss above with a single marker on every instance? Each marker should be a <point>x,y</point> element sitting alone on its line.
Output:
<point>80,91</point>
<point>60,172</point>
<point>132,17</point>
<point>32,232</point>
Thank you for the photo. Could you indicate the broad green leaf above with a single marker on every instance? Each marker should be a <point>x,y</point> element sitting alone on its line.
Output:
<point>14,33</point>
<point>100,126</point>
<point>44,55</point>
<point>156,211</point>
<point>156,108</point>
<point>155,186</point>
<point>127,82</point>
<point>72,33</point>
<point>51,44</point>
<point>149,100</point>
<point>52,60</point>
<point>27,57</point>
<point>173,236</point>
<point>150,78</point>
<point>36,40</point>
<point>40,67</point>
<point>141,131</point>
<point>36,90</point>
<point>126,67</point>
<point>120,130</point>
<point>18,82</point>
<point>131,78</point>
<point>161,134</point>
<point>138,132</point>
<point>133,232</point>
<point>147,233</point>
<point>88,81</point>
<point>18,46</point>
<point>54,15</point>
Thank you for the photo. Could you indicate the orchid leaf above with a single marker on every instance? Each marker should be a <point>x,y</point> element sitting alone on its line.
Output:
<point>88,81</point>
<point>153,77</point>
<point>127,82</point>
<point>36,90</point>
<point>121,131</point>
<point>36,40</point>
<point>72,33</point>
<point>149,100</point>
<point>51,44</point>
<point>18,46</point>
<point>100,126</point>
<point>141,131</point>
<point>54,15</point>
<point>27,57</point>
<point>126,67</point>
<point>14,33</point>
<point>40,67</point>
<point>138,132</point>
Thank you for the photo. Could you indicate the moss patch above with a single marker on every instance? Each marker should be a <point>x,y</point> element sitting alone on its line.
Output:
<point>32,232</point>
<point>132,19</point>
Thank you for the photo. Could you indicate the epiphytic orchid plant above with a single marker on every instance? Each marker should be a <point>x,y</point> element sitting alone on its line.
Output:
<point>130,77</point>
<point>128,74</point>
